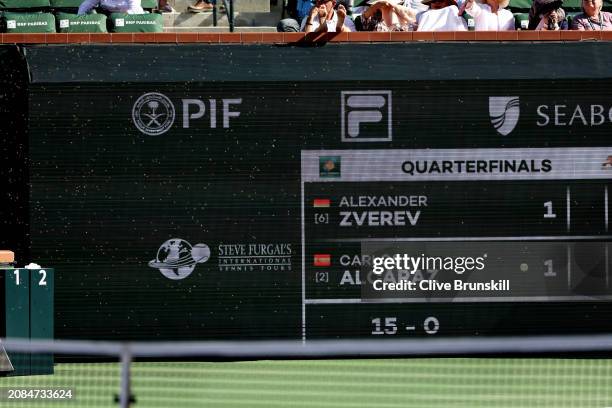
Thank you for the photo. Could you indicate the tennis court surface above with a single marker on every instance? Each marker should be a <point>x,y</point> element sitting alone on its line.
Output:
<point>385,383</point>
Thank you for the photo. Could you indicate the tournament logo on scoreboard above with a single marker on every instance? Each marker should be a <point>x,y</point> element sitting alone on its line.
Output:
<point>153,114</point>
<point>504,112</point>
<point>330,166</point>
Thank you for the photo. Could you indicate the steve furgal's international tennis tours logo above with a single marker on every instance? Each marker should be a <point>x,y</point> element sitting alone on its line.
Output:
<point>176,258</point>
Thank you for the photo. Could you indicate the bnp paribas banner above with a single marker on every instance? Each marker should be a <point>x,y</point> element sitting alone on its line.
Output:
<point>254,209</point>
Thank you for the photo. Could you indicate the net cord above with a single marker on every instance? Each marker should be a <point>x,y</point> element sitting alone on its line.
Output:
<point>318,348</point>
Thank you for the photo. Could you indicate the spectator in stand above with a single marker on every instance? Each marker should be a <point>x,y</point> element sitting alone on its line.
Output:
<point>554,20</point>
<point>303,9</point>
<point>547,15</point>
<point>592,18</point>
<point>201,6</point>
<point>388,15</point>
<point>113,6</point>
<point>298,10</point>
<point>442,15</point>
<point>489,15</point>
<point>322,17</point>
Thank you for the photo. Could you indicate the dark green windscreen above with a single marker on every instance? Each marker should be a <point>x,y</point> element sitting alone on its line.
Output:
<point>221,203</point>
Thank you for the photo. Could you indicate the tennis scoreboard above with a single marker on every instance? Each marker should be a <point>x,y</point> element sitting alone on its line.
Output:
<point>480,230</point>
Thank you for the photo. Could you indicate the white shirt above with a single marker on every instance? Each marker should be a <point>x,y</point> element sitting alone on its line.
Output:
<point>348,23</point>
<point>444,19</point>
<point>114,6</point>
<point>485,20</point>
<point>416,5</point>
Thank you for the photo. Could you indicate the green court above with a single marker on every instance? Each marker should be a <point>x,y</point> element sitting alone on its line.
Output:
<point>440,382</point>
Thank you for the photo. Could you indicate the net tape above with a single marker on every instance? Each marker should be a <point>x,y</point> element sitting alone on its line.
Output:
<point>320,348</point>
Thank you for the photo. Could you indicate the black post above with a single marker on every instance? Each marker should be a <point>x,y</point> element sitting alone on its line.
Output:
<point>214,3</point>
<point>229,9</point>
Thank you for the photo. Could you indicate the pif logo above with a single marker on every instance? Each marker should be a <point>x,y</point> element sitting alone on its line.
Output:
<point>366,116</point>
<point>153,114</point>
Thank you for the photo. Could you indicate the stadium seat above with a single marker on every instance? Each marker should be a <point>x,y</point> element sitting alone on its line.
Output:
<point>27,22</point>
<point>149,4</point>
<point>89,23</point>
<point>570,16</point>
<point>572,6</point>
<point>519,6</point>
<point>23,4</point>
<point>521,21</point>
<point>66,3</point>
<point>137,23</point>
<point>358,22</point>
<point>523,6</point>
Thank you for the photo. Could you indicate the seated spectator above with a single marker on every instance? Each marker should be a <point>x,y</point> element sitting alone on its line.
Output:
<point>547,15</point>
<point>442,15</point>
<point>388,15</point>
<point>298,13</point>
<point>554,20</point>
<point>489,15</point>
<point>303,8</point>
<point>592,18</point>
<point>112,6</point>
<point>322,17</point>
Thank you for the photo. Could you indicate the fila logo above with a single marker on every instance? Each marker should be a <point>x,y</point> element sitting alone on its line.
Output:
<point>365,116</point>
<point>504,112</point>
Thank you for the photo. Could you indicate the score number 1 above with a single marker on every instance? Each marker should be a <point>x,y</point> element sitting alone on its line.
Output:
<point>549,210</point>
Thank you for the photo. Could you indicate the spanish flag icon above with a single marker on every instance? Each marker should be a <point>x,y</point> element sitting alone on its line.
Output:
<point>321,203</point>
<point>322,260</point>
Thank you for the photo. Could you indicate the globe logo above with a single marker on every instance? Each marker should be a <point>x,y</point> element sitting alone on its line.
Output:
<point>176,258</point>
<point>153,114</point>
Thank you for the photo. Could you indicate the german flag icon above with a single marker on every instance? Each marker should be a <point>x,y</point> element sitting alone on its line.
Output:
<point>321,203</point>
<point>322,260</point>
